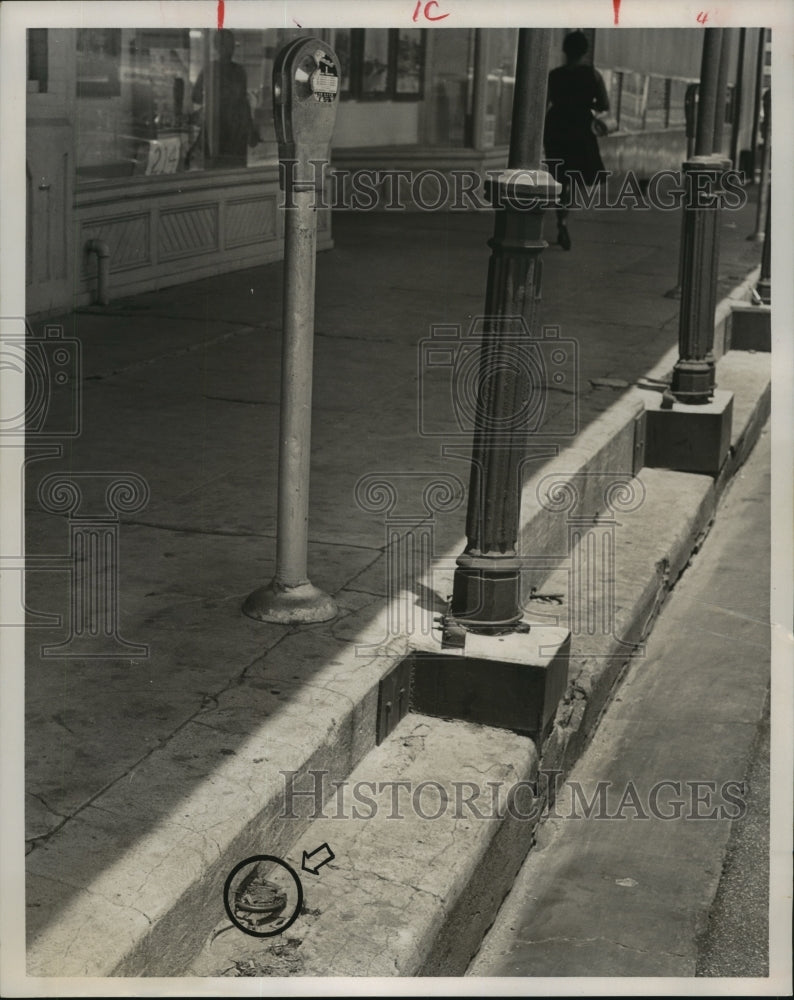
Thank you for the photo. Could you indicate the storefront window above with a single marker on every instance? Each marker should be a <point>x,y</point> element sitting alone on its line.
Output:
<point>501,80</point>
<point>450,88</point>
<point>410,62</point>
<point>166,101</point>
<point>98,62</point>
<point>375,63</point>
<point>380,63</point>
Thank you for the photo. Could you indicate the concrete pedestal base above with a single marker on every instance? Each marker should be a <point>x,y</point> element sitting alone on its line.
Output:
<point>749,329</point>
<point>290,605</point>
<point>513,681</point>
<point>688,438</point>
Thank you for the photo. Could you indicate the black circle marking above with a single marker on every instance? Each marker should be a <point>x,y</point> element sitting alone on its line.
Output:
<point>244,864</point>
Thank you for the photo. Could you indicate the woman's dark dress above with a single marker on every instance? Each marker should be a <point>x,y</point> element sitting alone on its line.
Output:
<point>574,93</point>
<point>232,125</point>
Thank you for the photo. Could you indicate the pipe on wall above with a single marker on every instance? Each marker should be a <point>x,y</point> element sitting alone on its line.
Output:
<point>102,251</point>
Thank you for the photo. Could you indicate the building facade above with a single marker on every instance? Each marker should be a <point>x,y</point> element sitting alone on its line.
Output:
<point>160,145</point>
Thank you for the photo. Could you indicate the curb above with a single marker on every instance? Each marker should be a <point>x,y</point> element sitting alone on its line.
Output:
<point>164,895</point>
<point>453,874</point>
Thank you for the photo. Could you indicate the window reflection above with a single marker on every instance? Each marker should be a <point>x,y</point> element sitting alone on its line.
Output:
<point>375,64</point>
<point>221,92</point>
<point>410,61</point>
<point>450,88</point>
<point>163,101</point>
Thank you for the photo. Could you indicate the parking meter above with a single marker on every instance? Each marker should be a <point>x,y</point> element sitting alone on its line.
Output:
<point>305,92</point>
<point>305,96</point>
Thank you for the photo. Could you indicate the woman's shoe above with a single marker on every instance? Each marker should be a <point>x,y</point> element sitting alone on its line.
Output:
<point>563,237</point>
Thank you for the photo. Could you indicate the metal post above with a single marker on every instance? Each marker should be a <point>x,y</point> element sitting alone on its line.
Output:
<point>722,88</point>
<point>764,286</point>
<point>766,164</point>
<point>693,375</point>
<point>305,88</point>
<point>300,247</point>
<point>759,89</point>
<point>529,102</point>
<point>486,590</point>
<point>690,117</point>
<point>738,99</point>
<point>707,94</point>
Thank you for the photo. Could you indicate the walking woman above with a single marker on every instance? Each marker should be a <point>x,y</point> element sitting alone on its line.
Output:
<point>576,95</point>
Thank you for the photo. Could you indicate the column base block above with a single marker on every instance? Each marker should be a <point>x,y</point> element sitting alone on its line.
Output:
<point>749,328</point>
<point>513,681</point>
<point>688,438</point>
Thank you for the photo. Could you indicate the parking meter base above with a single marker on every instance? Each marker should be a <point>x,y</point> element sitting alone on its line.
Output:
<point>284,605</point>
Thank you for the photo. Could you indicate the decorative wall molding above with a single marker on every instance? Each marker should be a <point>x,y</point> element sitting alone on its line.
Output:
<point>249,220</point>
<point>186,231</point>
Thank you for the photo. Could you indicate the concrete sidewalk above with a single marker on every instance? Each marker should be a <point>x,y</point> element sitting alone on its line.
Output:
<point>147,771</point>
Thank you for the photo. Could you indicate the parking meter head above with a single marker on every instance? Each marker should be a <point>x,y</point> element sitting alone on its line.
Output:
<point>305,95</point>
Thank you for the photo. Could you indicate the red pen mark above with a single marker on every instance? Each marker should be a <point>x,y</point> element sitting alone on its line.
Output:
<point>702,17</point>
<point>428,16</point>
<point>428,5</point>
<point>616,8</point>
<point>220,14</point>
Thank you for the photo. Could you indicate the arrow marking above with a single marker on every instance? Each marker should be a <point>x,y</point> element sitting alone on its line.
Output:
<point>319,857</point>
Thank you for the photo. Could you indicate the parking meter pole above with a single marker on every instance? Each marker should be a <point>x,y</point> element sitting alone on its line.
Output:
<point>486,589</point>
<point>300,239</point>
<point>305,91</point>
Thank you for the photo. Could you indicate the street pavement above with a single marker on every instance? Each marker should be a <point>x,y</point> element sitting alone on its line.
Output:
<point>179,395</point>
<point>623,877</point>
<point>737,940</point>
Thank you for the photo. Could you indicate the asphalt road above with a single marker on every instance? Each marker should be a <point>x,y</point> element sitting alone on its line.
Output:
<point>737,937</point>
